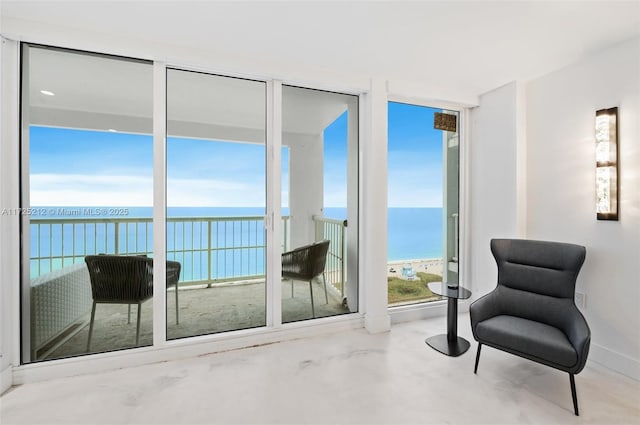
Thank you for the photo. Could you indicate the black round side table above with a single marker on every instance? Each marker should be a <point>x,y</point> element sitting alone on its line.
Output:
<point>450,344</point>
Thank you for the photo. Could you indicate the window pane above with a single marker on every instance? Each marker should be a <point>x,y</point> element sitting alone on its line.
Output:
<point>423,202</point>
<point>89,155</point>
<point>320,133</point>
<point>215,203</point>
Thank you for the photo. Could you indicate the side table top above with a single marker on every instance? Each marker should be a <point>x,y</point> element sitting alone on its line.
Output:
<point>444,290</point>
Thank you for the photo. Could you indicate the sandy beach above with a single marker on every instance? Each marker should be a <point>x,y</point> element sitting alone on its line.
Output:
<point>429,265</point>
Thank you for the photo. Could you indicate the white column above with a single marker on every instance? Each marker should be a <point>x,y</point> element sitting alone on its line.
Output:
<point>493,196</point>
<point>9,224</point>
<point>305,185</point>
<point>273,221</point>
<point>373,264</point>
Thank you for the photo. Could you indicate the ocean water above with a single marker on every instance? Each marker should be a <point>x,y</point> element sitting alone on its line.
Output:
<point>413,233</point>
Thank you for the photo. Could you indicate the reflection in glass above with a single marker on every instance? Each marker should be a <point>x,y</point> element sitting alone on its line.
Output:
<point>215,202</point>
<point>89,156</point>
<point>320,134</point>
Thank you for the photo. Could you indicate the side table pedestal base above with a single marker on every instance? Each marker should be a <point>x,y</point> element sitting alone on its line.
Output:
<point>452,348</point>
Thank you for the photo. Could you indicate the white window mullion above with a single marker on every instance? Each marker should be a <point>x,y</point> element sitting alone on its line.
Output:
<point>159,203</point>
<point>274,210</point>
<point>464,197</point>
<point>25,203</point>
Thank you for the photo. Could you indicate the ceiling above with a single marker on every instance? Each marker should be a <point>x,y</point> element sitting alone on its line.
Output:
<point>108,93</point>
<point>474,46</point>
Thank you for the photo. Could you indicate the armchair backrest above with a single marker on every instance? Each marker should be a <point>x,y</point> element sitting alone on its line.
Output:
<point>540,267</point>
<point>117,278</point>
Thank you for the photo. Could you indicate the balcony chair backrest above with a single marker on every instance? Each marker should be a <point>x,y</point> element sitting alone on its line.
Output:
<point>305,262</point>
<point>119,278</point>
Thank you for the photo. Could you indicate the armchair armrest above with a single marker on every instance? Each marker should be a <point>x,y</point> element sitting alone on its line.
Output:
<point>484,308</point>
<point>577,331</point>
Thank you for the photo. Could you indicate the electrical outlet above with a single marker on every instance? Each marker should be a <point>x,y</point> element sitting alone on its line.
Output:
<point>581,299</point>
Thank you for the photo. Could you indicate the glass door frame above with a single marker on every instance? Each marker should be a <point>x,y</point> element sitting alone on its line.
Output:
<point>25,337</point>
<point>463,190</point>
<point>272,211</point>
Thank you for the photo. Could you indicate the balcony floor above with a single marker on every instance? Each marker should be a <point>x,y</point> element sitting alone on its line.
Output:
<point>202,311</point>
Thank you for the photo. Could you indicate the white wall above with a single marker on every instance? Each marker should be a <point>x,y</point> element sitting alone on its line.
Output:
<point>561,186</point>
<point>494,179</point>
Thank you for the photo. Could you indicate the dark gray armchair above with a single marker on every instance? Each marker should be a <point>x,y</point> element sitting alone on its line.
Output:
<point>532,313</point>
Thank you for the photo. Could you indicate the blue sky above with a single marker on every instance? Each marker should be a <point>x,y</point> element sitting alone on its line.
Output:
<point>93,168</point>
<point>414,157</point>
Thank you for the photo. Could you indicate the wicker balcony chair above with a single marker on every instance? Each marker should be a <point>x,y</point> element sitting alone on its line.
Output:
<point>306,263</point>
<point>120,279</point>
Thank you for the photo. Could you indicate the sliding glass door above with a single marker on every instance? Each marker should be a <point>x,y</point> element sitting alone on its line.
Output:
<point>216,192</point>
<point>320,170</point>
<point>87,193</point>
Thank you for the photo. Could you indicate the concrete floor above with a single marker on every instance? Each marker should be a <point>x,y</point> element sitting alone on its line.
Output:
<point>349,377</point>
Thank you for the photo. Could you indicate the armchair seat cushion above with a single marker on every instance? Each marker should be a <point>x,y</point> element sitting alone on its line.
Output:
<point>530,338</point>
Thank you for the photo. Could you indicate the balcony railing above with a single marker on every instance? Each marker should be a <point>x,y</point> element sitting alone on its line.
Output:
<point>336,266</point>
<point>210,249</point>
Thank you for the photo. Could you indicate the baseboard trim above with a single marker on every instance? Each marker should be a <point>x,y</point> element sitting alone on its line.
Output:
<point>6,379</point>
<point>412,312</point>
<point>378,323</point>
<point>613,360</point>
<point>181,349</point>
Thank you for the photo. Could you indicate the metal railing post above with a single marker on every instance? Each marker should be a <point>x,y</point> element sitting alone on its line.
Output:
<point>116,233</point>
<point>342,257</point>
<point>209,253</point>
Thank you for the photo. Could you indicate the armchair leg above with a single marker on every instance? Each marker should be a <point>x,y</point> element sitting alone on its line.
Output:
<point>138,325</point>
<point>475,369</point>
<point>177,310</point>
<point>313,310</point>
<point>573,394</point>
<point>93,315</point>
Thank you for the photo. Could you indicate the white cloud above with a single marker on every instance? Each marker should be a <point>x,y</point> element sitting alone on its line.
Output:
<point>215,193</point>
<point>414,187</point>
<point>134,191</point>
<point>90,190</point>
